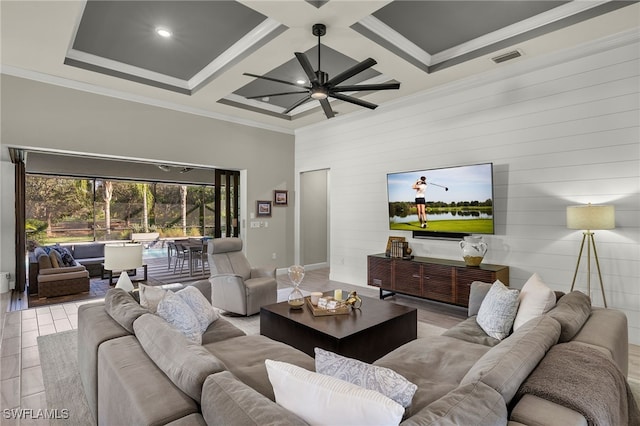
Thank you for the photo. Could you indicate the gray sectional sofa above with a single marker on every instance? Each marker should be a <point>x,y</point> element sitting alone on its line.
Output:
<point>137,370</point>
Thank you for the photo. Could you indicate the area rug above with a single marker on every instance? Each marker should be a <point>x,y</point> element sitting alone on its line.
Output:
<point>63,388</point>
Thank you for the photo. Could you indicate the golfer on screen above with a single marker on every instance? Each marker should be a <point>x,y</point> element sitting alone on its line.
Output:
<point>421,186</point>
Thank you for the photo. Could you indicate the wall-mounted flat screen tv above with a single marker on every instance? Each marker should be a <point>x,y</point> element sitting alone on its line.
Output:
<point>446,201</point>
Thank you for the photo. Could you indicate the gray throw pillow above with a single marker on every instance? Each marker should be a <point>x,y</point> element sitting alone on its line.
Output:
<point>123,308</point>
<point>572,310</point>
<point>380,379</point>
<point>498,310</point>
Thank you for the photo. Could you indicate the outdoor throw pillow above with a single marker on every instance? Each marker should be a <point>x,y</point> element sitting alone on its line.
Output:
<point>535,299</point>
<point>380,379</point>
<point>150,296</point>
<point>199,305</point>
<point>498,310</point>
<point>320,399</point>
<point>67,258</point>
<point>53,257</point>
<point>178,314</point>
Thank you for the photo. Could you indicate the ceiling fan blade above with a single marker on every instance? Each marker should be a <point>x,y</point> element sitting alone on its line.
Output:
<point>356,69</point>
<point>297,104</point>
<point>306,66</point>
<point>327,108</point>
<point>353,100</point>
<point>272,79</point>
<point>361,87</point>
<point>276,94</point>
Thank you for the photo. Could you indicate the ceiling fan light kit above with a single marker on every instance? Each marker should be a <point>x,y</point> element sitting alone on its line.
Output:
<point>321,87</point>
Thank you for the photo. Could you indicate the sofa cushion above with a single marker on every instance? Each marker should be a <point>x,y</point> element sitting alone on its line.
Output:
<point>85,251</point>
<point>436,365</point>
<point>228,401</point>
<point>244,357</point>
<point>535,299</point>
<point>176,312</point>
<point>220,330</point>
<point>379,379</point>
<point>571,311</point>
<point>470,331</point>
<point>498,310</point>
<point>123,308</point>
<point>187,364</point>
<point>199,305</point>
<point>505,366</point>
<point>470,404</point>
<point>320,399</point>
<point>44,262</point>
<point>204,286</point>
<point>133,390</point>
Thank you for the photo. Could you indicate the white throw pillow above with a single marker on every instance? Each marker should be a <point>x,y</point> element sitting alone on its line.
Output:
<point>325,400</point>
<point>535,299</point>
<point>498,310</point>
<point>379,379</point>
<point>150,296</point>
<point>178,314</point>
<point>199,305</point>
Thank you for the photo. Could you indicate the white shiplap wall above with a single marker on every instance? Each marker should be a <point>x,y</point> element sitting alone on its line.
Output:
<point>560,130</point>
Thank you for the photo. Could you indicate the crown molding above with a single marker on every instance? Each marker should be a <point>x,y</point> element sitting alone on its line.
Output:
<point>118,94</point>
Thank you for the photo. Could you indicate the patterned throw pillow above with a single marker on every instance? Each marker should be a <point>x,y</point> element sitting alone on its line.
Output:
<point>498,310</point>
<point>178,314</point>
<point>380,379</point>
<point>199,305</point>
<point>67,258</point>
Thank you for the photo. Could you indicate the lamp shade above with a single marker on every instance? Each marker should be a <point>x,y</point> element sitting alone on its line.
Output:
<point>591,216</point>
<point>122,257</point>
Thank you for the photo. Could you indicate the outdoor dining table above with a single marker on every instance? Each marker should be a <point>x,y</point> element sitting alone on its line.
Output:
<point>196,248</point>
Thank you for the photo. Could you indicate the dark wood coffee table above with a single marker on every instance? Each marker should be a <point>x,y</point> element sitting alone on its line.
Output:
<point>367,334</point>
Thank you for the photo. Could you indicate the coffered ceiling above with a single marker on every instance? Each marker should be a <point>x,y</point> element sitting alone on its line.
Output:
<point>113,48</point>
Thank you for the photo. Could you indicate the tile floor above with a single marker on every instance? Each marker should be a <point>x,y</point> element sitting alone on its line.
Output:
<point>21,384</point>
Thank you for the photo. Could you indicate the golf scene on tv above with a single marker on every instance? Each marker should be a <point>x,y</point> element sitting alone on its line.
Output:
<point>451,199</point>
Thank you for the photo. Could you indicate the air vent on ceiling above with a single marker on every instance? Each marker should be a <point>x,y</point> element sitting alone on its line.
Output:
<point>506,56</point>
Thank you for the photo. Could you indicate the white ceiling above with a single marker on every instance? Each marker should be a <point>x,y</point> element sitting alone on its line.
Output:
<point>37,36</point>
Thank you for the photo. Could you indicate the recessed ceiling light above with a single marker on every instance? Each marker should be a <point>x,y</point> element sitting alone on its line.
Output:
<point>163,32</point>
<point>301,81</point>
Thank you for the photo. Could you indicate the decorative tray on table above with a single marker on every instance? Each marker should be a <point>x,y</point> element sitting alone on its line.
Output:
<point>318,311</point>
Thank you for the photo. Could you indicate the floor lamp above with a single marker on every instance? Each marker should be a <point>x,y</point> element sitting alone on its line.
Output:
<point>588,218</point>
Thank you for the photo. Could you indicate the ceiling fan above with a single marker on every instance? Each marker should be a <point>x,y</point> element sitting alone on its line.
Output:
<point>322,87</point>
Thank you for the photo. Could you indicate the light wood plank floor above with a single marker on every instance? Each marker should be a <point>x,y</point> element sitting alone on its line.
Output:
<point>21,382</point>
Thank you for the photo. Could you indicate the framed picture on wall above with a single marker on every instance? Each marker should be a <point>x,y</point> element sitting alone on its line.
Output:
<point>280,197</point>
<point>263,208</point>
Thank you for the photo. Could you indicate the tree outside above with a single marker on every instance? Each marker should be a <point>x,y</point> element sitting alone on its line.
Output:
<point>60,209</point>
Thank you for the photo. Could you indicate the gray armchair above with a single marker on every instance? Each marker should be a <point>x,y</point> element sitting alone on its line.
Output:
<point>236,286</point>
